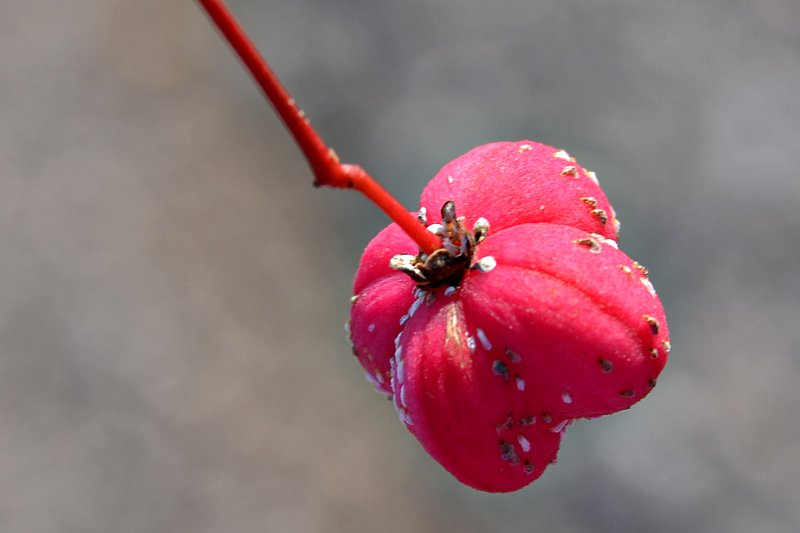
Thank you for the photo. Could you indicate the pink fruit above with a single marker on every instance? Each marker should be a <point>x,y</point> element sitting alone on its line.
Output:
<point>547,322</point>
<point>508,317</point>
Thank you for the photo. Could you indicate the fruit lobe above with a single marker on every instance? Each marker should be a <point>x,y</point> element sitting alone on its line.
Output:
<point>512,183</point>
<point>553,323</point>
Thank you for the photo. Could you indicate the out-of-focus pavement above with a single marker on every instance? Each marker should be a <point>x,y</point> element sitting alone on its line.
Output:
<point>172,289</point>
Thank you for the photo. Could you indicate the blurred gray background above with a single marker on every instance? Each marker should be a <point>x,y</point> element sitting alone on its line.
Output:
<point>172,289</point>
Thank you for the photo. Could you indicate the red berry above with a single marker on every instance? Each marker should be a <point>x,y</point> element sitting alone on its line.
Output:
<point>547,321</point>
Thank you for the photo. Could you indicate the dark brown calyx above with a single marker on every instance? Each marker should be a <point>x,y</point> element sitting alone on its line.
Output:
<point>447,265</point>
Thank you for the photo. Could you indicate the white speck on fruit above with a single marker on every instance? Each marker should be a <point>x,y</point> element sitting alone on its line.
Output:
<point>524,148</point>
<point>626,269</point>
<point>484,340</point>
<point>422,216</point>
<point>403,320</point>
<point>524,443</point>
<point>481,226</point>
<point>520,383</point>
<point>570,170</point>
<point>566,398</point>
<point>653,353</point>
<point>471,343</point>
<point>397,340</point>
<point>354,298</point>
<point>610,242</point>
<point>558,428</point>
<point>487,264</point>
<point>513,356</point>
<point>667,345</point>
<point>592,176</point>
<point>449,291</point>
<point>400,368</point>
<point>547,418</point>
<point>373,379</point>
<point>450,179</point>
<point>347,327</point>
<point>649,286</point>
<point>379,377</point>
<point>403,396</point>
<point>562,154</point>
<point>405,418</point>
<point>402,262</point>
<point>371,328</point>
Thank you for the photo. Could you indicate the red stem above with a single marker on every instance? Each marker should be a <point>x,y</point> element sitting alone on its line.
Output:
<point>325,164</point>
